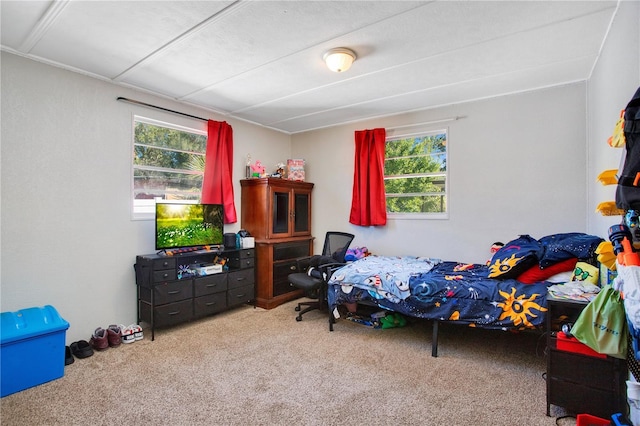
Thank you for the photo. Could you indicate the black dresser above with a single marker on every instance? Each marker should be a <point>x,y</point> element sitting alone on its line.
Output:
<point>169,294</point>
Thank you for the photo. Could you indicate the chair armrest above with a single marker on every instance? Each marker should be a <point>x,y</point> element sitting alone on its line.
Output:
<point>303,263</point>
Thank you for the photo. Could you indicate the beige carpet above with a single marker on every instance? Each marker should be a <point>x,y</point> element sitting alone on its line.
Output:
<point>257,367</point>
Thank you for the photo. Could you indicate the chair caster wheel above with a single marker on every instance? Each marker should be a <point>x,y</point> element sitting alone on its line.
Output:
<point>297,308</point>
<point>298,319</point>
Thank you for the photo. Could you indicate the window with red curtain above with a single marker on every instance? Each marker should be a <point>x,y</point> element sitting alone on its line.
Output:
<point>217,184</point>
<point>368,203</point>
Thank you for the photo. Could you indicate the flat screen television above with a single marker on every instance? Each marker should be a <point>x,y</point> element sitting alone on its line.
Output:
<point>180,225</point>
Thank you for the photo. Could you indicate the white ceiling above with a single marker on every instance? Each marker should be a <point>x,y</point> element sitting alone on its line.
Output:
<point>261,61</point>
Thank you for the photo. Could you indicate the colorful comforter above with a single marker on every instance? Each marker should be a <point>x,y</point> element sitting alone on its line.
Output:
<point>447,291</point>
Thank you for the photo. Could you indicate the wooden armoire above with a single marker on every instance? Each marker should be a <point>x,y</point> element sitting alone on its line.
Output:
<point>277,213</point>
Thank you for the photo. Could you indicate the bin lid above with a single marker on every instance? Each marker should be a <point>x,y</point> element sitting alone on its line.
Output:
<point>30,322</point>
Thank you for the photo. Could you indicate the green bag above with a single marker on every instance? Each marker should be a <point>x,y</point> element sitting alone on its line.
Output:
<point>602,324</point>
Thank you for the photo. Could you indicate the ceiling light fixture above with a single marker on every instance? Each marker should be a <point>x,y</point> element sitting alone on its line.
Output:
<point>339,59</point>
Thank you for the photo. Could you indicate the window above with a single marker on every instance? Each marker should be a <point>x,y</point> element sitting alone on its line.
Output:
<point>168,164</point>
<point>415,175</point>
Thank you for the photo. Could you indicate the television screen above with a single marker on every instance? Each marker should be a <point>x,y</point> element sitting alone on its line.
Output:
<point>188,225</point>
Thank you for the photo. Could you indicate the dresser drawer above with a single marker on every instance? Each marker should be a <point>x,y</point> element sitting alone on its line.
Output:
<point>172,291</point>
<point>162,276</point>
<point>239,295</point>
<point>242,259</point>
<point>210,284</point>
<point>241,278</point>
<point>584,370</point>
<point>162,264</point>
<point>173,313</point>
<point>210,303</point>
<point>582,398</point>
<point>170,314</point>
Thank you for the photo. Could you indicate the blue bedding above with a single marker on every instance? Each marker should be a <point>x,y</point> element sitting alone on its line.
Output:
<point>446,291</point>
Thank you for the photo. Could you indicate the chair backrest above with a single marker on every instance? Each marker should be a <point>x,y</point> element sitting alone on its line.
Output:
<point>336,245</point>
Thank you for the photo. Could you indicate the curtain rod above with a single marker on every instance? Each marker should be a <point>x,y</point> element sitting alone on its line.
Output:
<point>131,101</point>
<point>444,120</point>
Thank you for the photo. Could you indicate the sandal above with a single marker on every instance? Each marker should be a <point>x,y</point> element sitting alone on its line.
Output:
<point>81,349</point>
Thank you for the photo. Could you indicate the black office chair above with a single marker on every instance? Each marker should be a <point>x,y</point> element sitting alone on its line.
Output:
<point>316,270</point>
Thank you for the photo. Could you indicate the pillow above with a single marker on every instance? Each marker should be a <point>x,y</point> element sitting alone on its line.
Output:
<point>561,278</point>
<point>536,273</point>
<point>585,272</point>
<point>559,247</point>
<point>515,257</point>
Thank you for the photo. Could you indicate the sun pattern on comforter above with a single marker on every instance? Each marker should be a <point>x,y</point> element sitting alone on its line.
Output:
<point>447,291</point>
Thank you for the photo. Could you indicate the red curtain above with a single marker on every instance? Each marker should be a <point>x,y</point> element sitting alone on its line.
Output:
<point>217,185</point>
<point>368,204</point>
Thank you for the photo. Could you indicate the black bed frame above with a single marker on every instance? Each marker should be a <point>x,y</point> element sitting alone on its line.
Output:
<point>434,339</point>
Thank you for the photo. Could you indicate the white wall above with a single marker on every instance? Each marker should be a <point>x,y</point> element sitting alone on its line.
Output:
<point>67,235</point>
<point>516,166</point>
<point>614,80</point>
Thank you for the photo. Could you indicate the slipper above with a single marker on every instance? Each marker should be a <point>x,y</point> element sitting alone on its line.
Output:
<point>68,357</point>
<point>81,349</point>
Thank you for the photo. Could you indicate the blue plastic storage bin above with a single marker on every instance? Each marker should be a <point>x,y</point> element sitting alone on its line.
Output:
<point>32,348</point>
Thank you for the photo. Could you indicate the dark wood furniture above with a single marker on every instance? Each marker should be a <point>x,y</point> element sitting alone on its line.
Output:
<point>582,384</point>
<point>167,296</point>
<point>277,213</point>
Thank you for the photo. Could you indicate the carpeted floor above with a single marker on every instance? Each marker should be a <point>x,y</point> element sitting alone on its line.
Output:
<point>260,367</point>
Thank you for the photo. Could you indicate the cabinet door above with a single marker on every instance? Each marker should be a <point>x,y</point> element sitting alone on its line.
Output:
<point>301,213</point>
<point>280,212</point>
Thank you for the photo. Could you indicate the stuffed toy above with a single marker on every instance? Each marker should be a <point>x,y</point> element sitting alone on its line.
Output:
<point>393,320</point>
<point>356,253</point>
<point>257,169</point>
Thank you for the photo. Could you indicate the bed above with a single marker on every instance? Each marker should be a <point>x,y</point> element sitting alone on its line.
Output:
<point>493,296</point>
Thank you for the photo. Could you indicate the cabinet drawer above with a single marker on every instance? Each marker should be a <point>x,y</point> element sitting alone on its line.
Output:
<point>173,313</point>
<point>246,253</point>
<point>285,251</point>
<point>582,399</point>
<point>595,372</point>
<point>210,303</point>
<point>172,292</point>
<point>210,284</point>
<point>239,295</point>
<point>241,278</point>
<point>162,264</point>
<point>166,275</point>
<point>281,270</point>
<point>242,259</point>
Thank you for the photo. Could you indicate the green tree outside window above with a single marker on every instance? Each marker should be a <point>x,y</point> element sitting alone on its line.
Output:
<point>415,174</point>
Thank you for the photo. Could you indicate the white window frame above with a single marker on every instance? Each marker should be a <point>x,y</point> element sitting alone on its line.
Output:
<point>392,136</point>
<point>145,209</point>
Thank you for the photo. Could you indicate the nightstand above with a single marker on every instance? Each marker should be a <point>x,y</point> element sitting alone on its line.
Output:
<point>577,382</point>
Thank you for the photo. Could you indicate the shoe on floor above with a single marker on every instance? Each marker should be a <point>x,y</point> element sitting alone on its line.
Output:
<point>81,349</point>
<point>127,334</point>
<point>68,356</point>
<point>114,335</point>
<point>100,339</point>
<point>137,331</point>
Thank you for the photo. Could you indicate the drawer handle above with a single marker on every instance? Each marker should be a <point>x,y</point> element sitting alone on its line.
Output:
<point>241,278</point>
<point>211,285</point>
<point>293,267</point>
<point>165,264</point>
<point>173,292</point>
<point>210,303</point>
<point>174,313</point>
<point>240,296</point>
<point>165,275</point>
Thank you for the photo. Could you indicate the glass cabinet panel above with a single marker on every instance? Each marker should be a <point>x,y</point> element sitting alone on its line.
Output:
<point>301,213</point>
<point>280,212</point>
